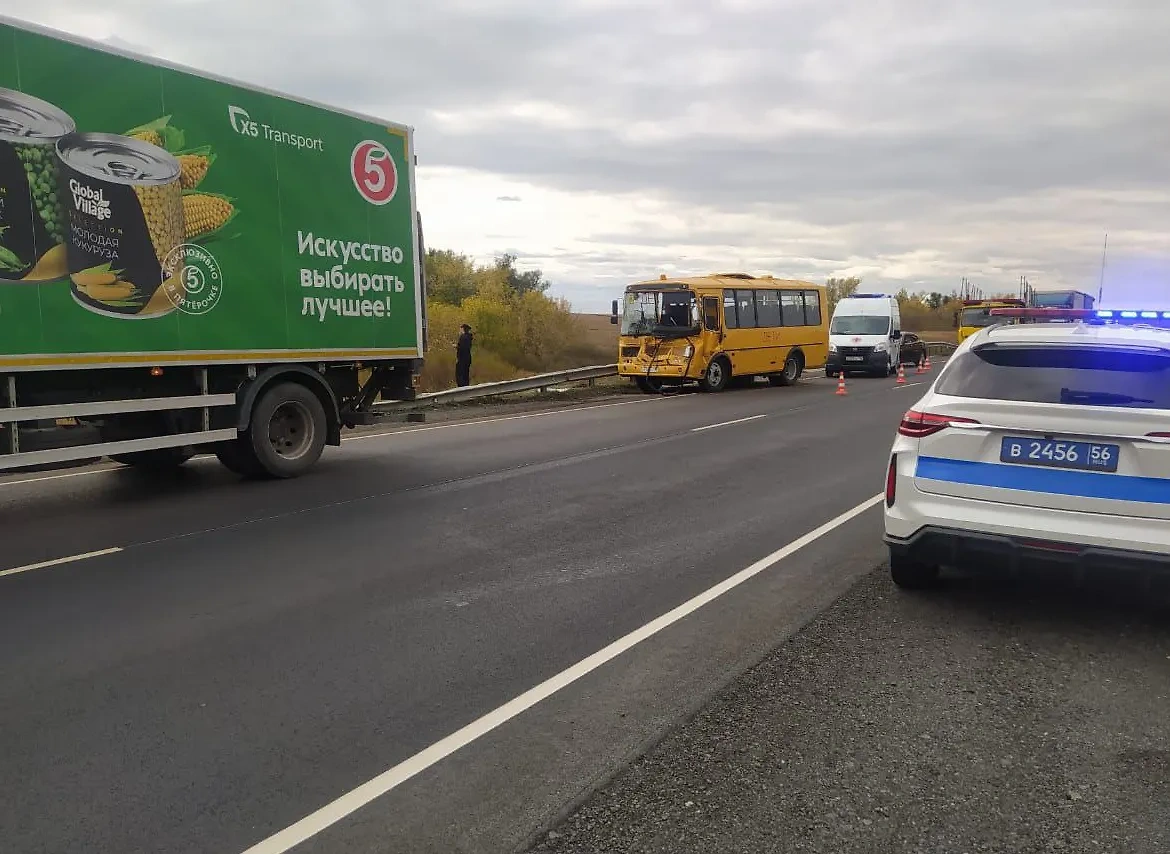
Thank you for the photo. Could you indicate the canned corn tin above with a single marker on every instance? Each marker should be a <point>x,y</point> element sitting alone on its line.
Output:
<point>31,213</point>
<point>124,206</point>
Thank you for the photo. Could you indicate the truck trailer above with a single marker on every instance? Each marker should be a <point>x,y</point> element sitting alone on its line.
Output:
<point>192,265</point>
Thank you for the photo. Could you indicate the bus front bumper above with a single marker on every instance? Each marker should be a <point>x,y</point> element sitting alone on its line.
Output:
<point>645,369</point>
<point>666,369</point>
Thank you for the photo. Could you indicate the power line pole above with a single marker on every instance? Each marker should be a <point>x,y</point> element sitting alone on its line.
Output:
<point>1101,283</point>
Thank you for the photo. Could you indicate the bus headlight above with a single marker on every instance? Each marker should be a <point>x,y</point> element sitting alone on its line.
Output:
<point>688,351</point>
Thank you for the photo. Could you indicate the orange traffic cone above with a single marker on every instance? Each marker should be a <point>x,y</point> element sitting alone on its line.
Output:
<point>928,361</point>
<point>919,370</point>
<point>901,374</point>
<point>841,384</point>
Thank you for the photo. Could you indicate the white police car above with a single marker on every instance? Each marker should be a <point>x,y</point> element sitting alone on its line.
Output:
<point>1038,441</point>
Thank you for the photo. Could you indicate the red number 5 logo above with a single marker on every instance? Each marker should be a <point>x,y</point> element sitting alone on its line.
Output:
<point>374,173</point>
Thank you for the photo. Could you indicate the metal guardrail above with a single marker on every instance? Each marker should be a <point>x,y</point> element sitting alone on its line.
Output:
<point>540,381</point>
<point>475,392</point>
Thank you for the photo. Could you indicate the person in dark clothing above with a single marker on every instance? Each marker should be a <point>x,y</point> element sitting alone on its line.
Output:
<point>463,357</point>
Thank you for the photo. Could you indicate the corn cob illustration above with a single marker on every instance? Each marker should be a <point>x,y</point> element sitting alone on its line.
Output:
<point>151,136</point>
<point>205,213</point>
<point>159,132</point>
<point>163,214</point>
<point>194,168</point>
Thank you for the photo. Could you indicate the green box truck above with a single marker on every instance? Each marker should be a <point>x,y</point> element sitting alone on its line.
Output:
<point>192,265</point>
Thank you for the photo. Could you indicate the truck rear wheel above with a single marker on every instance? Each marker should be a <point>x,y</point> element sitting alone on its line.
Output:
<point>238,458</point>
<point>288,430</point>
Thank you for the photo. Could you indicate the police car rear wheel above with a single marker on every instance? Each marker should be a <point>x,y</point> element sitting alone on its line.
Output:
<point>912,574</point>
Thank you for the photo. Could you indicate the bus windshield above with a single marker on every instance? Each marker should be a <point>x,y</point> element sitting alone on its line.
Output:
<point>861,324</point>
<point>980,317</point>
<point>648,312</point>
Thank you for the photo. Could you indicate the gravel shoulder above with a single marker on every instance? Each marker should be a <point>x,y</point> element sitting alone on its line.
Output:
<point>990,715</point>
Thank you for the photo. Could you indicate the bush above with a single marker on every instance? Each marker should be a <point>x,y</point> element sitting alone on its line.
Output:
<point>519,330</point>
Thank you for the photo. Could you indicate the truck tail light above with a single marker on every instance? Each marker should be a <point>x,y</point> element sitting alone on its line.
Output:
<point>891,480</point>
<point>917,424</point>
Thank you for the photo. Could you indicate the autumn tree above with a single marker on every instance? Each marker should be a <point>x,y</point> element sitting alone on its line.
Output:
<point>838,289</point>
<point>519,328</point>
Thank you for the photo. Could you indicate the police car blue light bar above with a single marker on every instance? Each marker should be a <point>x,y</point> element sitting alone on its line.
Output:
<point>1100,315</point>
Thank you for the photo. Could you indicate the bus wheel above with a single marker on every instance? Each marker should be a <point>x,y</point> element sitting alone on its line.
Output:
<point>649,385</point>
<point>717,375</point>
<point>793,366</point>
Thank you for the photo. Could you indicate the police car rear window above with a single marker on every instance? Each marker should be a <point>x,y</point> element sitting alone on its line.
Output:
<point>1086,376</point>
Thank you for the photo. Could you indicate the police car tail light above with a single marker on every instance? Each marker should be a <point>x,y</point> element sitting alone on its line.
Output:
<point>918,425</point>
<point>891,480</point>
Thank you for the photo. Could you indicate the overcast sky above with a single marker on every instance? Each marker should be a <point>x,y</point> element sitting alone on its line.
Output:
<point>911,142</point>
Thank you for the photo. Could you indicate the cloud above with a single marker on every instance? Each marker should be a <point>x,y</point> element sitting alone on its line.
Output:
<point>911,140</point>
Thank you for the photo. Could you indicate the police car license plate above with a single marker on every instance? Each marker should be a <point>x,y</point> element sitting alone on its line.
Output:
<point>1081,456</point>
<point>852,358</point>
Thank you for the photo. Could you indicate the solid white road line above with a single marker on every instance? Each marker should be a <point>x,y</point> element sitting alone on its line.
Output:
<point>87,473</point>
<point>907,385</point>
<point>727,423</point>
<point>542,414</point>
<point>354,800</point>
<point>58,561</point>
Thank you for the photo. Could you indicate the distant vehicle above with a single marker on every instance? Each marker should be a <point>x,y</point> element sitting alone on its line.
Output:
<point>711,329</point>
<point>1043,441</point>
<point>1062,299</point>
<point>865,335</point>
<point>976,314</point>
<point>911,349</point>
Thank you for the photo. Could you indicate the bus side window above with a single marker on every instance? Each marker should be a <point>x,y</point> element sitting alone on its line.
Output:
<point>812,308</point>
<point>768,309</point>
<point>746,309</point>
<point>792,308</point>
<point>730,320</point>
<point>711,313</point>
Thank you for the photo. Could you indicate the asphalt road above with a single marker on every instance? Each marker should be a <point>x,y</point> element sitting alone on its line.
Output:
<point>991,715</point>
<point>256,650</point>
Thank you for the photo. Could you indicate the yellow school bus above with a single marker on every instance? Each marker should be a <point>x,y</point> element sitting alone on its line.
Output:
<point>713,329</point>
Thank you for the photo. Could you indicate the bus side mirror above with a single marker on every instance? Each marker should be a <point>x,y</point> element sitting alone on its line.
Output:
<point>613,313</point>
<point>955,321</point>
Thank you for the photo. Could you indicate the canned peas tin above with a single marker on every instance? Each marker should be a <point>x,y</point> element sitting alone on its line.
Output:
<point>32,216</point>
